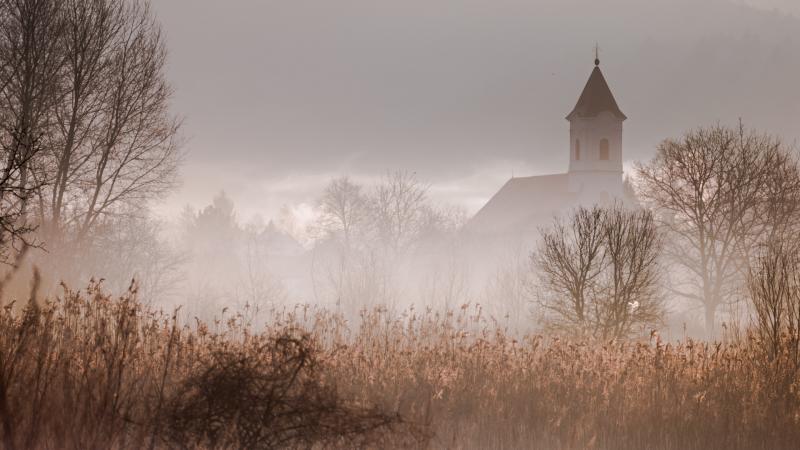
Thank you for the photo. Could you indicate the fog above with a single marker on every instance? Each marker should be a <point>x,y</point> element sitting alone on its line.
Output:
<point>399,224</point>
<point>280,97</point>
<point>359,154</point>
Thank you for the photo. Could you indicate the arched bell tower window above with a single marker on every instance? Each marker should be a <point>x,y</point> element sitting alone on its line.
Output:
<point>577,149</point>
<point>604,156</point>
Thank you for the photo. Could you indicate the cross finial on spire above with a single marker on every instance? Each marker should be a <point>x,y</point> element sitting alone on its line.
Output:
<point>596,54</point>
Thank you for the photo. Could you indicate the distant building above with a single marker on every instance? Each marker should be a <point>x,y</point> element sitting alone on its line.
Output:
<point>595,171</point>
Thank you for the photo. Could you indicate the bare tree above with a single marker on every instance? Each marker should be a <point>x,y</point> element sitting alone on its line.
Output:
<point>342,244</point>
<point>260,288</point>
<point>631,293</point>
<point>133,249</point>
<point>344,210</point>
<point>136,148</point>
<point>598,272</point>
<point>30,65</point>
<point>400,211</point>
<point>85,132</point>
<point>569,265</point>
<point>774,287</point>
<point>718,192</point>
<point>367,237</point>
<point>90,38</point>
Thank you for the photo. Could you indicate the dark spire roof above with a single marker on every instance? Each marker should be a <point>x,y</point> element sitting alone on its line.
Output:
<point>596,98</point>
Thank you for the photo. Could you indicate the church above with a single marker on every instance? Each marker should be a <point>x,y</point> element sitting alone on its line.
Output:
<point>594,176</point>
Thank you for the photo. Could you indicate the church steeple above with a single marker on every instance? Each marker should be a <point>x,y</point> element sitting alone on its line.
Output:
<point>596,136</point>
<point>596,97</point>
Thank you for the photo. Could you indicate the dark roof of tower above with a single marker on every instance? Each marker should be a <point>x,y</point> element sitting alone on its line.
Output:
<point>596,98</point>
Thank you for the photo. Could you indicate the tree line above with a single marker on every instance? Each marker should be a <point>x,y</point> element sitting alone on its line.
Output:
<point>372,240</point>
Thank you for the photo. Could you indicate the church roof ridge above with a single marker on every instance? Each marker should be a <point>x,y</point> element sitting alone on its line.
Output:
<point>596,98</point>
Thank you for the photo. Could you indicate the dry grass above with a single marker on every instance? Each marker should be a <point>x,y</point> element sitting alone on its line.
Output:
<point>89,371</point>
<point>477,387</point>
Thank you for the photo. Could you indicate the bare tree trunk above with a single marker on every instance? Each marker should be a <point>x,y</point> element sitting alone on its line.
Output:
<point>710,317</point>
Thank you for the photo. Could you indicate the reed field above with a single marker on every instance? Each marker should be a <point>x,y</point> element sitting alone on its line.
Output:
<point>89,371</point>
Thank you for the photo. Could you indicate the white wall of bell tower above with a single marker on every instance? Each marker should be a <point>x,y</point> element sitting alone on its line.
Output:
<point>595,162</point>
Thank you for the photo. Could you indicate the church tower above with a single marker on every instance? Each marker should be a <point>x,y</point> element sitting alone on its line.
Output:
<point>595,133</point>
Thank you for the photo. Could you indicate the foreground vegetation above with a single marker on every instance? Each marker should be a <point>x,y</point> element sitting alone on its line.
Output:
<point>89,371</point>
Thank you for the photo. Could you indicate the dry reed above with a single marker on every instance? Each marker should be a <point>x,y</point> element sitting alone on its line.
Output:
<point>90,371</point>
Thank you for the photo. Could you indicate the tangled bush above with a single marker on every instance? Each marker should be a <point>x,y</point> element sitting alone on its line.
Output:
<point>265,395</point>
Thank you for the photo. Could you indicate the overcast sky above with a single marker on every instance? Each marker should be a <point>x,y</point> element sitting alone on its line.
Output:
<point>279,96</point>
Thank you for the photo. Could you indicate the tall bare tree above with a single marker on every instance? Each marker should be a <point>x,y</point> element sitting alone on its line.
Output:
<point>87,135</point>
<point>719,191</point>
<point>31,59</point>
<point>91,34</point>
<point>137,149</point>
<point>344,210</point>
<point>598,272</point>
<point>344,265</point>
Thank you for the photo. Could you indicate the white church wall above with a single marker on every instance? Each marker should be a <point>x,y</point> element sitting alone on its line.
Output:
<point>590,131</point>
